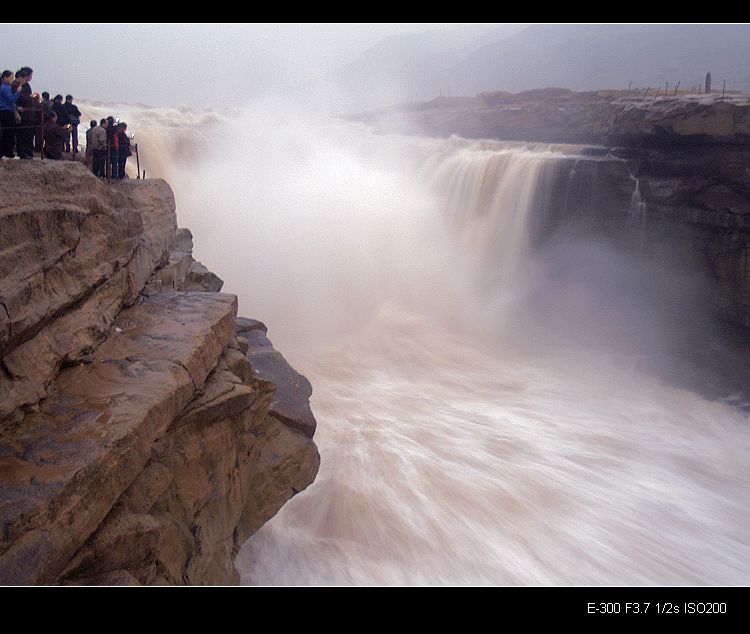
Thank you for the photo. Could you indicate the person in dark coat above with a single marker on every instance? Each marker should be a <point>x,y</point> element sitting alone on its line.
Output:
<point>63,119</point>
<point>74,115</point>
<point>46,105</point>
<point>54,138</point>
<point>45,109</point>
<point>124,149</point>
<point>111,166</point>
<point>25,106</point>
<point>59,109</point>
<point>35,111</point>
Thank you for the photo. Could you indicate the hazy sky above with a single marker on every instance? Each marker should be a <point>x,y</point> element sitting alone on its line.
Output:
<point>191,64</point>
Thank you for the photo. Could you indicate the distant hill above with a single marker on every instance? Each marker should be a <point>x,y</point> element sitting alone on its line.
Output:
<point>477,58</point>
<point>405,66</point>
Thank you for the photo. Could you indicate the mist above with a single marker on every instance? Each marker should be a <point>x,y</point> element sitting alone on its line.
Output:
<point>489,411</point>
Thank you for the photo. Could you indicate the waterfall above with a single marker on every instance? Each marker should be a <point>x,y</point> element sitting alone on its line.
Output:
<point>638,211</point>
<point>489,198</point>
<point>493,198</point>
<point>637,206</point>
<point>458,447</point>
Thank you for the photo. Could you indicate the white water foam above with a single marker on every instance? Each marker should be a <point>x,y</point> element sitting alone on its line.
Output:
<point>463,439</point>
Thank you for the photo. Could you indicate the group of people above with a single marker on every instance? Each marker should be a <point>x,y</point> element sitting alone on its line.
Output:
<point>30,122</point>
<point>108,148</point>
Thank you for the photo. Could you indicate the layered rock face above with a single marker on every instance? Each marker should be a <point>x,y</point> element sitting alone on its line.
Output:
<point>661,209</point>
<point>145,431</point>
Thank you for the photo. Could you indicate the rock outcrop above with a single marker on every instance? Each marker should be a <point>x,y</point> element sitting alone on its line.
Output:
<point>145,431</point>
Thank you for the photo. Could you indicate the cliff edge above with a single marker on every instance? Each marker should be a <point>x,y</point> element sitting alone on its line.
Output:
<point>145,430</point>
<point>558,115</point>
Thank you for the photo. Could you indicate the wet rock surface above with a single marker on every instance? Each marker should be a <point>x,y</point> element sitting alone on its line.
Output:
<point>138,445</point>
<point>73,253</point>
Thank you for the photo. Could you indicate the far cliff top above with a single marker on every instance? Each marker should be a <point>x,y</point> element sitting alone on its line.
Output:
<point>561,115</point>
<point>651,96</point>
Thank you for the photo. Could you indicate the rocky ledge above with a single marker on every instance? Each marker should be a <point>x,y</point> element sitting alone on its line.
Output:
<point>145,431</point>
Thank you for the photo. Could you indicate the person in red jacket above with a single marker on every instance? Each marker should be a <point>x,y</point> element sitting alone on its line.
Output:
<point>114,152</point>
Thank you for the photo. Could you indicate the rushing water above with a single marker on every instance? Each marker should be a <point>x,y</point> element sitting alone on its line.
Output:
<point>483,416</point>
<point>443,464</point>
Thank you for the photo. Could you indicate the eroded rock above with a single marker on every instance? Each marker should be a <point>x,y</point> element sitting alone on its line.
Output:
<point>138,444</point>
<point>201,279</point>
<point>64,467</point>
<point>73,253</point>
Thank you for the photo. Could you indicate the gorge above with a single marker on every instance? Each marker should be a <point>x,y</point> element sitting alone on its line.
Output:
<point>528,359</point>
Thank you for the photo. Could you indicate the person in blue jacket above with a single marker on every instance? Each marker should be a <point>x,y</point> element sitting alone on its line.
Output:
<point>8,99</point>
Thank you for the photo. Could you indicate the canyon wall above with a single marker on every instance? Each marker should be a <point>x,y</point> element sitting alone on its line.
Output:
<point>665,176</point>
<point>145,430</point>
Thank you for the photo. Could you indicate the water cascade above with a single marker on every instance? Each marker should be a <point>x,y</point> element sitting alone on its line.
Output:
<point>473,428</point>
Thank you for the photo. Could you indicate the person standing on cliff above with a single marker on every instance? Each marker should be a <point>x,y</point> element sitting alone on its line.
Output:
<point>125,152</point>
<point>45,108</point>
<point>33,114</point>
<point>63,119</point>
<point>90,143</point>
<point>74,114</point>
<point>27,108</point>
<point>111,130</point>
<point>99,149</point>
<point>114,153</point>
<point>8,99</point>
